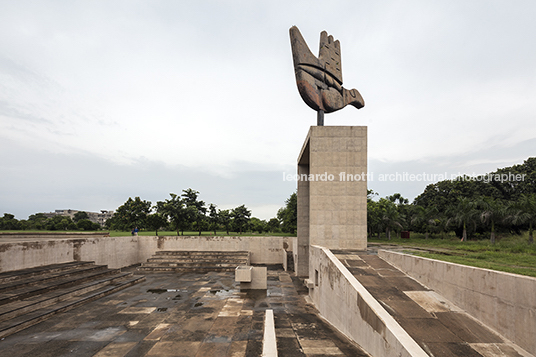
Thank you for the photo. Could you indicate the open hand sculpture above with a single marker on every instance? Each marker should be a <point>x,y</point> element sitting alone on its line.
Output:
<point>319,79</point>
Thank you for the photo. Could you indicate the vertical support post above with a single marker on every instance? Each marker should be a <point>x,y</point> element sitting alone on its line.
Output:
<point>320,118</point>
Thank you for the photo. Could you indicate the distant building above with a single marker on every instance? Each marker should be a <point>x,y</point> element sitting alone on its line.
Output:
<point>95,217</point>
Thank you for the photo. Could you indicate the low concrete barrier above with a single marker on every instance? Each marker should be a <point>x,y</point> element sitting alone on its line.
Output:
<point>348,306</point>
<point>503,301</point>
<point>14,236</point>
<point>118,252</point>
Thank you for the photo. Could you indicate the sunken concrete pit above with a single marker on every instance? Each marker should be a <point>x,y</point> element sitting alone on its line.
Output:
<point>369,301</point>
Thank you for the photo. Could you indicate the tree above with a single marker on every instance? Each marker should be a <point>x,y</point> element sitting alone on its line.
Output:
<point>213,217</point>
<point>8,222</point>
<point>273,225</point>
<point>133,213</point>
<point>374,218</point>
<point>87,225</point>
<point>225,219</point>
<point>155,221</point>
<point>196,209</point>
<point>425,219</point>
<point>241,216</point>
<point>37,221</point>
<point>257,225</point>
<point>176,211</point>
<point>527,207</point>
<point>390,216</point>
<point>492,211</point>
<point>80,215</point>
<point>463,213</point>
<point>288,216</point>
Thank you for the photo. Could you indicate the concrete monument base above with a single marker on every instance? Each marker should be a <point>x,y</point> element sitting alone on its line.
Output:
<point>332,191</point>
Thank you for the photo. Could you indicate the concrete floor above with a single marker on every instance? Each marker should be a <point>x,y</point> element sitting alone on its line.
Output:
<point>186,315</point>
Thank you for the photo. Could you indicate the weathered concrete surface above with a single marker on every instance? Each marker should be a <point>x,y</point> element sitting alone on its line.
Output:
<point>503,301</point>
<point>332,191</point>
<point>117,252</point>
<point>185,315</point>
<point>346,304</point>
<point>14,236</point>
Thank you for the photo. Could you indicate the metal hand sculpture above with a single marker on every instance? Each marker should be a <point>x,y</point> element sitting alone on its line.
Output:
<point>319,79</point>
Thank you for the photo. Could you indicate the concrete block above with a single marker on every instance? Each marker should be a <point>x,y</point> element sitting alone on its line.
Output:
<point>243,274</point>
<point>258,280</point>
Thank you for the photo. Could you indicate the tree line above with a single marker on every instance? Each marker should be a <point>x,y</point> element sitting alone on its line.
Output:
<point>470,207</point>
<point>40,221</point>
<point>186,212</point>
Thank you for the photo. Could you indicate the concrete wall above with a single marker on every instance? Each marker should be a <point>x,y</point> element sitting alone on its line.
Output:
<point>118,252</point>
<point>503,301</point>
<point>348,306</point>
<point>337,203</point>
<point>264,250</point>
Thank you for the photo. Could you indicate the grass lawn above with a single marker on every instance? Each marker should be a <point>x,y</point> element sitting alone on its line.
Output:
<point>511,253</point>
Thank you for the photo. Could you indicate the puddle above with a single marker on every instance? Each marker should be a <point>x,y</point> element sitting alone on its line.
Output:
<point>157,291</point>
<point>161,291</point>
<point>221,292</point>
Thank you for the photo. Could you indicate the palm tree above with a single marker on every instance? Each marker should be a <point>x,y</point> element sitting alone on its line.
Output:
<point>426,218</point>
<point>526,206</point>
<point>492,211</point>
<point>462,213</point>
<point>390,216</point>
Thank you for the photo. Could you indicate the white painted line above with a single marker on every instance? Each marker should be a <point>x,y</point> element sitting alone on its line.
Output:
<point>269,344</point>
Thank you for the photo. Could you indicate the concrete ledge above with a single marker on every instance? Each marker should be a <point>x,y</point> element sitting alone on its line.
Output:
<point>118,252</point>
<point>269,344</point>
<point>348,306</point>
<point>503,301</point>
<point>5,236</point>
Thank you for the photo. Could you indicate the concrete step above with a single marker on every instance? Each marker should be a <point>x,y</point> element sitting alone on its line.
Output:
<point>23,321</point>
<point>190,265</point>
<point>24,306</point>
<point>40,279</point>
<point>196,261</point>
<point>9,276</point>
<point>196,258</point>
<point>205,269</point>
<point>25,292</point>
<point>200,252</point>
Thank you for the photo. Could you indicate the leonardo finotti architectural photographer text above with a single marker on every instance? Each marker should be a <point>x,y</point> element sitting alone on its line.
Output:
<point>404,177</point>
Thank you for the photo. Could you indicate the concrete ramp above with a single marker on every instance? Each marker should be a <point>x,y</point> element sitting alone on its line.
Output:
<point>438,326</point>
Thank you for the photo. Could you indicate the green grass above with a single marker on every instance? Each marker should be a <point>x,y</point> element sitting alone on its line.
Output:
<point>511,253</point>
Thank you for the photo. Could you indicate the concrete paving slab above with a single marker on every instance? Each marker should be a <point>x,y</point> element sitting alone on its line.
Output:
<point>184,314</point>
<point>450,349</point>
<point>497,350</point>
<point>467,328</point>
<point>432,301</point>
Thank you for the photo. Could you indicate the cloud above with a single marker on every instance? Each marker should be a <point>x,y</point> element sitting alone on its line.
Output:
<point>44,181</point>
<point>107,100</point>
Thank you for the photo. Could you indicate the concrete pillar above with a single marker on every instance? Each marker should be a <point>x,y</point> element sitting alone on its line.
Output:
<point>332,191</point>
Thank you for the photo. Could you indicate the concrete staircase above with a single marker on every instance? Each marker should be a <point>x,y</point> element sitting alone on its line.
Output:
<point>29,296</point>
<point>195,261</point>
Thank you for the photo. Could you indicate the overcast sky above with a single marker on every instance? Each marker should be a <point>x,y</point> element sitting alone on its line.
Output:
<point>105,100</point>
